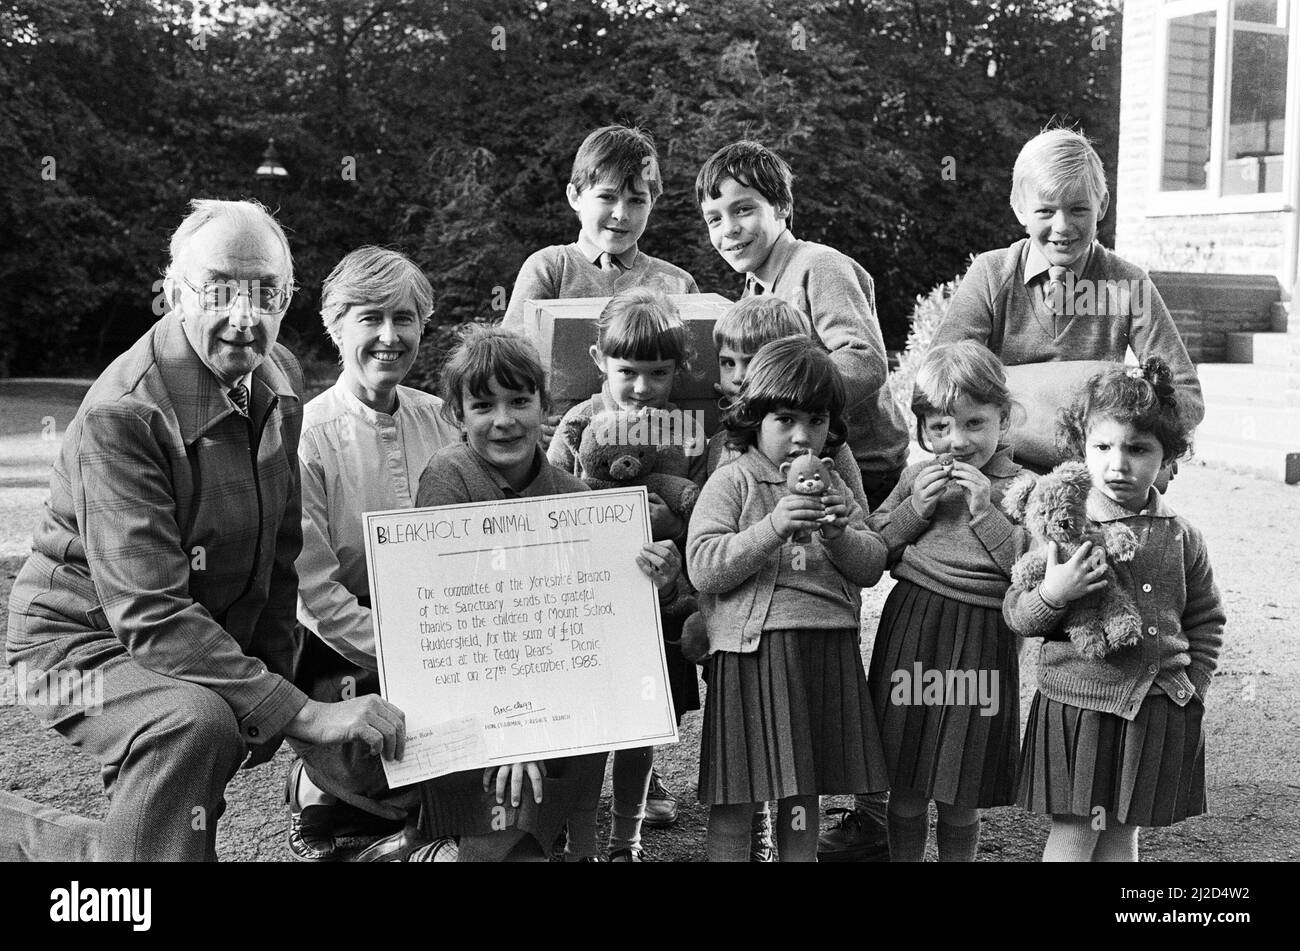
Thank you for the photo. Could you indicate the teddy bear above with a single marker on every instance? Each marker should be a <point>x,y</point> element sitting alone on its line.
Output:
<point>617,449</point>
<point>807,475</point>
<point>1054,509</point>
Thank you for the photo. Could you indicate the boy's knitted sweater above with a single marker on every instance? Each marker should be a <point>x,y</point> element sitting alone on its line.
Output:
<point>566,270</point>
<point>1117,307</point>
<point>1182,619</point>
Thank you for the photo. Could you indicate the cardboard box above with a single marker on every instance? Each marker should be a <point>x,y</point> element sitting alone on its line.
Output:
<point>564,330</point>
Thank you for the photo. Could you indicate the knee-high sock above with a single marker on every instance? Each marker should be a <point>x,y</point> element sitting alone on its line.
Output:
<point>907,837</point>
<point>728,838</point>
<point>958,832</point>
<point>581,841</point>
<point>908,825</point>
<point>1072,839</point>
<point>631,783</point>
<point>796,829</point>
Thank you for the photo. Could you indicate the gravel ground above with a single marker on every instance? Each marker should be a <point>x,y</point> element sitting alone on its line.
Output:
<point>1252,718</point>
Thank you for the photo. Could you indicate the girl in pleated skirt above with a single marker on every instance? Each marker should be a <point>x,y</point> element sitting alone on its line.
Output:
<point>788,716</point>
<point>1115,743</point>
<point>944,669</point>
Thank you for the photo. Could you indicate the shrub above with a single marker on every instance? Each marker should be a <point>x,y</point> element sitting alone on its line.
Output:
<point>926,317</point>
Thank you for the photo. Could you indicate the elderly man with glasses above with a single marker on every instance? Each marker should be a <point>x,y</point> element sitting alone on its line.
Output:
<point>153,624</point>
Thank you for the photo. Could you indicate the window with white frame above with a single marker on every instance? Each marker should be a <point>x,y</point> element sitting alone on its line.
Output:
<point>1223,126</point>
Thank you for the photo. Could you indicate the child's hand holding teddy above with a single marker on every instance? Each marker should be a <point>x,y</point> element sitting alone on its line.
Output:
<point>795,513</point>
<point>836,517</point>
<point>1064,582</point>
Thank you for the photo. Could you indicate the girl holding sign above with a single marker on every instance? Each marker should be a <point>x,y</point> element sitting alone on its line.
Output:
<point>788,716</point>
<point>495,390</point>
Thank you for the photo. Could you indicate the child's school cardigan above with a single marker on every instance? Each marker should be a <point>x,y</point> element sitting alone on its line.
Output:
<point>571,270</point>
<point>734,554</point>
<point>994,306</point>
<point>960,557</point>
<point>1182,619</point>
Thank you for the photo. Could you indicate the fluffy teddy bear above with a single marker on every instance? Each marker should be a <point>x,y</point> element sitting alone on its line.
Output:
<point>807,475</point>
<point>616,449</point>
<point>1054,509</point>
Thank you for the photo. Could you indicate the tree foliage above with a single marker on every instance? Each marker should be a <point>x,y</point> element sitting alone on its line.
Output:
<point>447,127</point>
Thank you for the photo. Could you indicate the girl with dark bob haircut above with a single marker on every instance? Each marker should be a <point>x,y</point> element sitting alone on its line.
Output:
<point>789,373</point>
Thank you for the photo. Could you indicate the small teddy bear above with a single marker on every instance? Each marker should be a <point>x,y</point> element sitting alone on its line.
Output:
<point>616,449</point>
<point>1054,509</point>
<point>807,475</point>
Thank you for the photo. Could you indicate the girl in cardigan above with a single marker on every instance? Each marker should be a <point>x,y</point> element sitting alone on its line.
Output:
<point>494,389</point>
<point>787,716</point>
<point>1116,743</point>
<point>944,669</point>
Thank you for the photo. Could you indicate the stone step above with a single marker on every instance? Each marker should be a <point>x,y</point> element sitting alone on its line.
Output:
<point>1242,383</point>
<point>1250,422</point>
<point>1261,349</point>
<point>1270,460</point>
<point>1279,313</point>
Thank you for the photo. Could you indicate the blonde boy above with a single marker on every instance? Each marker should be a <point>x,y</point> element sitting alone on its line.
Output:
<point>1056,304</point>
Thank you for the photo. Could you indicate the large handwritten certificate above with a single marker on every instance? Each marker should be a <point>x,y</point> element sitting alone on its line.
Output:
<point>518,630</point>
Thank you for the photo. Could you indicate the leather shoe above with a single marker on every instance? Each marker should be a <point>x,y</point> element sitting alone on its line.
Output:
<point>858,838</point>
<point>311,828</point>
<point>660,805</point>
<point>394,848</point>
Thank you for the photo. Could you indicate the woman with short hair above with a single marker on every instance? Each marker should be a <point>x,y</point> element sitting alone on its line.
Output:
<point>364,443</point>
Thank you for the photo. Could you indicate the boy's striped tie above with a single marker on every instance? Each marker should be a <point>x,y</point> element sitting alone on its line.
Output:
<point>1054,290</point>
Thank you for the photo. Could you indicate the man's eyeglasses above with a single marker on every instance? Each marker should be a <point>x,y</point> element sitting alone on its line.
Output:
<point>220,296</point>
